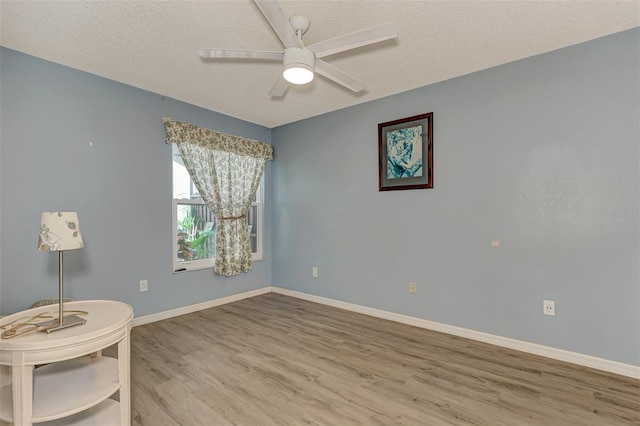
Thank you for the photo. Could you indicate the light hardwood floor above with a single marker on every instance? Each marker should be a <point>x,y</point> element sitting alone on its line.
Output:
<point>277,360</point>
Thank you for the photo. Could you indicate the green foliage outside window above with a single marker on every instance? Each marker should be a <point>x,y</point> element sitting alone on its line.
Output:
<point>196,236</point>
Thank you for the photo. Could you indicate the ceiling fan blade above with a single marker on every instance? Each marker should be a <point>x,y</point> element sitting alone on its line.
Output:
<point>275,16</point>
<point>240,54</point>
<point>279,87</point>
<point>355,39</point>
<point>332,73</point>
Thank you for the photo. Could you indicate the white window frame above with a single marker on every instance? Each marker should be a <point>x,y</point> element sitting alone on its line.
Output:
<point>190,265</point>
<point>193,265</point>
<point>258,201</point>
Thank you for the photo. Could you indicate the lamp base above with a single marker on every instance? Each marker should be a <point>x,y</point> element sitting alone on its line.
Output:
<point>54,325</point>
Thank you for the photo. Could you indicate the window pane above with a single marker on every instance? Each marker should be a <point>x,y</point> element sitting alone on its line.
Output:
<point>196,229</point>
<point>183,186</point>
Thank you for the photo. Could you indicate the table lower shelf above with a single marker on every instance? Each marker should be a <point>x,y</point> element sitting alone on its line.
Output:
<point>107,413</point>
<point>65,388</point>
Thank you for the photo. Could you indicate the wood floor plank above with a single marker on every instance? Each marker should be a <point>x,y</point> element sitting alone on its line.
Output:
<point>277,360</point>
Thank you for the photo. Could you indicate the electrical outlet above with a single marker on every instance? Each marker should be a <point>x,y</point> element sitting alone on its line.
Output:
<point>314,272</point>
<point>144,285</point>
<point>412,287</point>
<point>549,307</point>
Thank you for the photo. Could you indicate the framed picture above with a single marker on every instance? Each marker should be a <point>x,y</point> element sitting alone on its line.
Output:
<point>405,153</point>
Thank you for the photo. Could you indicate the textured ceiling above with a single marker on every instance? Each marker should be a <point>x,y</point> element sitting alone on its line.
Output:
<point>152,44</point>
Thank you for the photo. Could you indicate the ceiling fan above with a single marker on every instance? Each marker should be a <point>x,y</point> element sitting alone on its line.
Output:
<point>300,62</point>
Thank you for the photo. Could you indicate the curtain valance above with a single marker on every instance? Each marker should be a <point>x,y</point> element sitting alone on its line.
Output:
<point>207,138</point>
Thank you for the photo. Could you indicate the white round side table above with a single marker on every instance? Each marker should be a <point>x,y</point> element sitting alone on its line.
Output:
<point>71,388</point>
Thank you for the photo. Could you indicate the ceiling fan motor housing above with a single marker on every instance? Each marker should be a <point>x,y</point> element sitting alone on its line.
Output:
<point>299,64</point>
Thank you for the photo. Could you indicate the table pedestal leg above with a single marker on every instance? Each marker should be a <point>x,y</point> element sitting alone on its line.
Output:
<point>124,361</point>
<point>22,381</point>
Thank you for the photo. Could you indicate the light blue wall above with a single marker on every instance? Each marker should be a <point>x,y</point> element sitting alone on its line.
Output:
<point>120,187</point>
<point>541,154</point>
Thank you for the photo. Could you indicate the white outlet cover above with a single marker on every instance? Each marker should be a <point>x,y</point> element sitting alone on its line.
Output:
<point>549,307</point>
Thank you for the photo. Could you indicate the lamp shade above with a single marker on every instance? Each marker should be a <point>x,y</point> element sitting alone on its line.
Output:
<point>59,231</point>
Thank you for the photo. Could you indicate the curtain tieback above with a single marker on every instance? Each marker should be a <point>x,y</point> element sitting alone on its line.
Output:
<point>232,217</point>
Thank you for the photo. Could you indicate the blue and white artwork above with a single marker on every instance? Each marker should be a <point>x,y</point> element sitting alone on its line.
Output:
<point>404,153</point>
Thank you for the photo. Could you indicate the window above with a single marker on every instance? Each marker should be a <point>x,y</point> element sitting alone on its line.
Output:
<point>194,227</point>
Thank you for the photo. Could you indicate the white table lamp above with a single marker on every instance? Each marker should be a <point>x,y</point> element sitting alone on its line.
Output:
<point>60,231</point>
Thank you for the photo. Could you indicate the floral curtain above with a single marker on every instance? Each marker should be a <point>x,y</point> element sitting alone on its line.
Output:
<point>226,170</point>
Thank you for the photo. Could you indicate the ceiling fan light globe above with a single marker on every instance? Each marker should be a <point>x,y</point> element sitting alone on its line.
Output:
<point>298,74</point>
<point>298,65</point>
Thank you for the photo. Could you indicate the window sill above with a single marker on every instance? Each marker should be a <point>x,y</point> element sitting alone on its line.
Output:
<point>205,265</point>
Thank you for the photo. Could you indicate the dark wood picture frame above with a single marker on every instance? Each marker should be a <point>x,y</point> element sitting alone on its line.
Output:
<point>405,153</point>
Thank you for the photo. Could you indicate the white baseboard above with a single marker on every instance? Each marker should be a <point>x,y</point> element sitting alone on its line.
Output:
<point>533,348</point>
<point>198,306</point>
